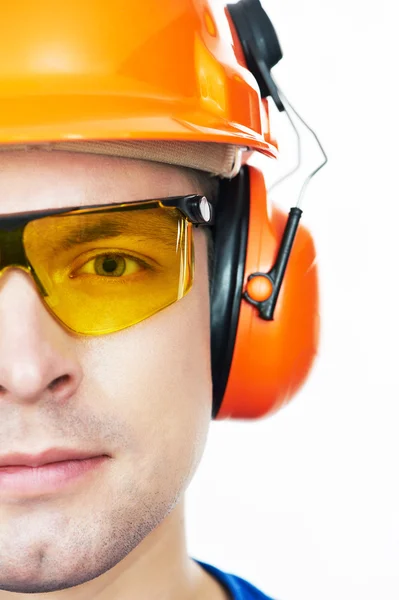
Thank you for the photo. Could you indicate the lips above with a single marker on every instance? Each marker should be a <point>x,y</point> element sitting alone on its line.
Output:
<point>52,455</point>
<point>50,472</point>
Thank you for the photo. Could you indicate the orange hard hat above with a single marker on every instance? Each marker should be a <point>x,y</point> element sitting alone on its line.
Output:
<point>126,70</point>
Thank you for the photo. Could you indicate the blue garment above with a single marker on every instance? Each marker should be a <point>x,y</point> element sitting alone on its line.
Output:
<point>238,588</point>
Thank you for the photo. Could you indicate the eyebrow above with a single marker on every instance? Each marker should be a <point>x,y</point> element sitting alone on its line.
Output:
<point>106,229</point>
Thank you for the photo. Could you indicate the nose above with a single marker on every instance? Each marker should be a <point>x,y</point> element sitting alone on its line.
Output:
<point>37,355</point>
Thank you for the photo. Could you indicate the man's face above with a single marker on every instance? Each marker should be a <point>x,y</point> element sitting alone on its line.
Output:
<point>141,396</point>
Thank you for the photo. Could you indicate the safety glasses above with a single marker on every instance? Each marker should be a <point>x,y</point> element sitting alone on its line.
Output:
<point>102,268</point>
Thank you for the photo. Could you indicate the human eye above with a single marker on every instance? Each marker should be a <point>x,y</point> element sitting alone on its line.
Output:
<point>112,265</point>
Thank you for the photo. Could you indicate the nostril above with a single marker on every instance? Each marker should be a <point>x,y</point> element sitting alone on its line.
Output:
<point>59,382</point>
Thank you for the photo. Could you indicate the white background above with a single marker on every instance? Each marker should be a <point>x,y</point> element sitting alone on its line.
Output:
<point>306,504</point>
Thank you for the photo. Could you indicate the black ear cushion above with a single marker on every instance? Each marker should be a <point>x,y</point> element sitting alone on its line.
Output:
<point>230,235</point>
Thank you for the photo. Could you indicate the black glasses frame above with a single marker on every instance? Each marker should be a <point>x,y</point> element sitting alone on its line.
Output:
<point>196,208</point>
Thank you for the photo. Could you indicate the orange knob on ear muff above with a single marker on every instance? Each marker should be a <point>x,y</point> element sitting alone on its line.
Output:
<point>258,364</point>
<point>259,287</point>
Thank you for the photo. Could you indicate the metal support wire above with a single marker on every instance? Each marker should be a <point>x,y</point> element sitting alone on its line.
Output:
<point>299,149</point>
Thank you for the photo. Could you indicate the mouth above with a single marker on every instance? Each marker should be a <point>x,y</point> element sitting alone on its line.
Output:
<point>49,472</point>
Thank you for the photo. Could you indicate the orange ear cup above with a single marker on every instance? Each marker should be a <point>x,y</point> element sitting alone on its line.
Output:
<point>271,359</point>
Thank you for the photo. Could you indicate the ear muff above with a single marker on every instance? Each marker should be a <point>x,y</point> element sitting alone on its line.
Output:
<point>258,365</point>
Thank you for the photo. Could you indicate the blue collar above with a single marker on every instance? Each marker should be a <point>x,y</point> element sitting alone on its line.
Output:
<point>238,588</point>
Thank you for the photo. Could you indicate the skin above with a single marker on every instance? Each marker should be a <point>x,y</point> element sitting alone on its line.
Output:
<point>142,396</point>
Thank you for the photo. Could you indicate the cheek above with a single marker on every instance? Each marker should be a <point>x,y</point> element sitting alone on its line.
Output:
<point>155,379</point>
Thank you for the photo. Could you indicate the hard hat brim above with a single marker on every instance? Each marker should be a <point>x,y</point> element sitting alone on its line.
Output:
<point>66,117</point>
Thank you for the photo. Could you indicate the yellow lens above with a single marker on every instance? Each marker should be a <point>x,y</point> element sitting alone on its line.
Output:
<point>104,271</point>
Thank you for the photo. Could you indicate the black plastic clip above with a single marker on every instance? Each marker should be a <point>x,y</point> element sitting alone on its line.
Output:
<point>276,274</point>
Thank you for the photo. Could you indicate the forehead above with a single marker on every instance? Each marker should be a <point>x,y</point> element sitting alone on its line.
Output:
<point>41,179</point>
